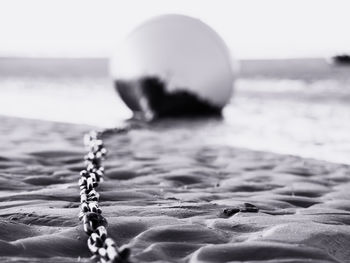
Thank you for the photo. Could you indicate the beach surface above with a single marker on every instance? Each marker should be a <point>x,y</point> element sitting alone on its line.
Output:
<point>171,194</point>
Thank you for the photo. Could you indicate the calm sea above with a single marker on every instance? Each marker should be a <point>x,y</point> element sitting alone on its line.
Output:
<point>299,106</point>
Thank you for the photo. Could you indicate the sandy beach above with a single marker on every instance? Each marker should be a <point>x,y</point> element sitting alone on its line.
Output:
<point>172,195</point>
<point>174,131</point>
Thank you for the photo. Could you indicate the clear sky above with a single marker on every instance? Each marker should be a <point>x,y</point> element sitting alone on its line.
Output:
<point>252,29</point>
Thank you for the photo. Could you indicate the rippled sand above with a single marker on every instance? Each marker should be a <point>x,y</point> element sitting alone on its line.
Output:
<point>172,195</point>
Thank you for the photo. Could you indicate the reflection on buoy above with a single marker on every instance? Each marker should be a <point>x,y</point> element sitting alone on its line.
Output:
<point>173,66</point>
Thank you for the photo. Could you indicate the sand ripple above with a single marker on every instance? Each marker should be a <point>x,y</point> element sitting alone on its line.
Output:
<point>172,196</point>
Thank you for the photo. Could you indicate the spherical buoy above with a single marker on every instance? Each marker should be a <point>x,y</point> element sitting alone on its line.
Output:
<point>173,65</point>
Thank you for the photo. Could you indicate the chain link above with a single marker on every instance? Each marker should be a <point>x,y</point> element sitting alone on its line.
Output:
<point>103,248</point>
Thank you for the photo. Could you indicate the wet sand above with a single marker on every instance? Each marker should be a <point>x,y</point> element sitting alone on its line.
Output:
<point>172,194</point>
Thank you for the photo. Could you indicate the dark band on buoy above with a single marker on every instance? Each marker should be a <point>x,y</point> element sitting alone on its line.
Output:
<point>151,90</point>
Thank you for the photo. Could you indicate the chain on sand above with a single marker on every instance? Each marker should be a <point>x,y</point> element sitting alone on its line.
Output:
<point>103,248</point>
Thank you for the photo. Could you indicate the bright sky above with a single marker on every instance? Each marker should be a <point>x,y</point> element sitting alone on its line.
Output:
<point>252,29</point>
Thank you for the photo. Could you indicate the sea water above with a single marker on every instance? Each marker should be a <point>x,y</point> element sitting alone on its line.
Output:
<point>298,107</point>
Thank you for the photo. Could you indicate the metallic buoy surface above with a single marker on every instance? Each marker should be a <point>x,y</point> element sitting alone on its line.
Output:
<point>173,65</point>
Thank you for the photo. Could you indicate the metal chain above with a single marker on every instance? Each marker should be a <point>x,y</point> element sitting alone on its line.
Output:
<point>103,248</point>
